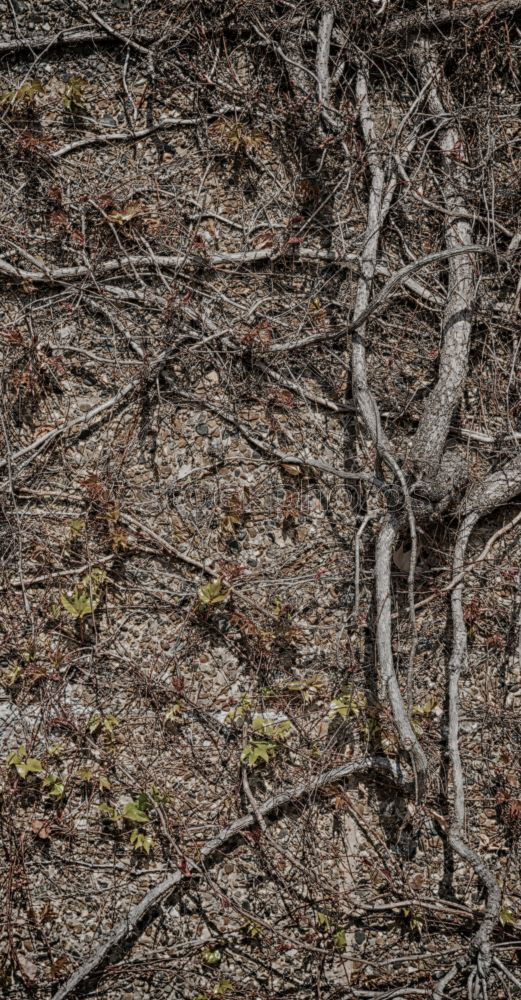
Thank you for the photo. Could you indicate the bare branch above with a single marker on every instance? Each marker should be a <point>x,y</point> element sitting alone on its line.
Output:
<point>117,138</point>
<point>322,60</point>
<point>112,32</point>
<point>498,488</point>
<point>385,545</point>
<point>136,917</point>
<point>431,435</point>
<point>464,13</point>
<point>69,36</point>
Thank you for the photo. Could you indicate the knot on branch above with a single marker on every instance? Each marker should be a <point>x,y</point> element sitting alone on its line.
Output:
<point>437,490</point>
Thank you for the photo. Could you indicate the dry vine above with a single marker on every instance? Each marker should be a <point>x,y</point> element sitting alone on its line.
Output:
<point>260,425</point>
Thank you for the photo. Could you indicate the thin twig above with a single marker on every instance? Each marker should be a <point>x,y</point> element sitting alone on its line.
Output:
<point>135,918</point>
<point>113,32</point>
<point>68,36</point>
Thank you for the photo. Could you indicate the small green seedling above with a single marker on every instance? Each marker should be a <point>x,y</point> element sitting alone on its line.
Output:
<point>258,751</point>
<point>240,711</point>
<point>223,987</point>
<point>212,593</point>
<point>104,724</point>
<point>24,765</point>
<point>54,785</point>
<point>86,596</point>
<point>141,841</point>
<point>337,935</point>
<point>413,919</point>
<point>349,703</point>
<point>133,812</point>
<point>253,930</point>
<point>309,688</point>
<point>73,95</point>
<point>275,730</point>
<point>507,917</point>
<point>76,528</point>
<point>23,96</point>
<point>339,939</point>
<point>211,956</point>
<point>88,776</point>
<point>323,921</point>
<point>108,812</point>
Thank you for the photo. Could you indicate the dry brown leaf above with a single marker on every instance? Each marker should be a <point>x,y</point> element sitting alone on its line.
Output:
<point>59,967</point>
<point>127,214</point>
<point>28,969</point>
<point>46,913</point>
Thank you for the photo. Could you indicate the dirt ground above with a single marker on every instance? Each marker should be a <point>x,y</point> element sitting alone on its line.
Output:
<point>190,505</point>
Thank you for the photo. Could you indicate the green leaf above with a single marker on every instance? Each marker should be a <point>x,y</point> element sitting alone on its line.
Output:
<point>347,704</point>
<point>31,766</point>
<point>157,795</point>
<point>17,756</point>
<point>254,752</point>
<point>85,774</point>
<point>506,917</point>
<point>54,784</point>
<point>94,724</point>
<point>74,91</point>
<point>323,921</point>
<point>107,723</point>
<point>222,988</point>
<point>110,812</point>
<point>132,812</point>
<point>77,527</point>
<point>212,593</point>
<point>340,940</point>
<point>275,730</point>
<point>427,708</point>
<point>78,605</point>
<point>280,730</point>
<point>414,919</point>
<point>86,595</point>
<point>94,579</point>
<point>141,841</point>
<point>23,95</point>
<point>143,802</point>
<point>240,710</point>
<point>309,688</point>
<point>12,674</point>
<point>211,956</point>
<point>253,930</point>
